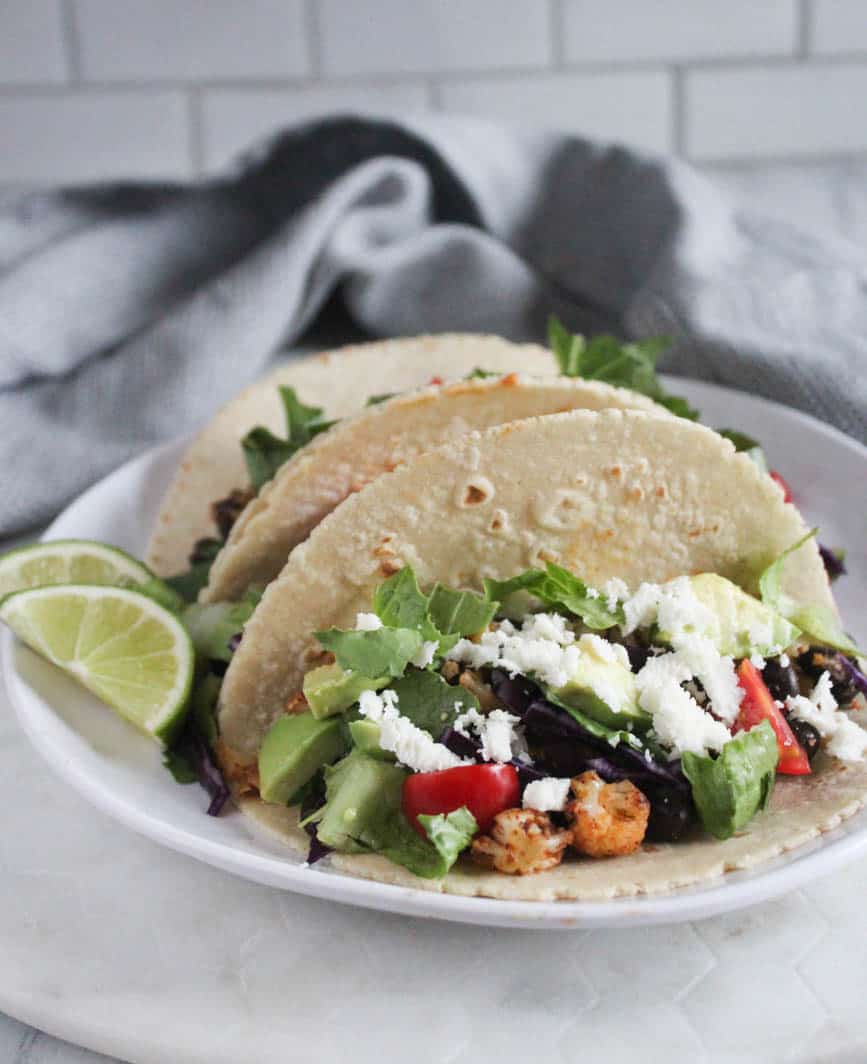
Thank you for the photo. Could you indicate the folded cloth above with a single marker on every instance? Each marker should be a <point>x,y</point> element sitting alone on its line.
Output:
<point>129,312</point>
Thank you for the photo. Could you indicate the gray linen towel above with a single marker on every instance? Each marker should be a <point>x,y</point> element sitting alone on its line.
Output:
<point>128,312</point>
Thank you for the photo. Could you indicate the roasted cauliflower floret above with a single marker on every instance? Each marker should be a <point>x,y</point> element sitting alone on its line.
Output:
<point>607,819</point>
<point>521,841</point>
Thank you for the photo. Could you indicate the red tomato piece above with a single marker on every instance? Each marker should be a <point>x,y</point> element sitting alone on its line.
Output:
<point>784,484</point>
<point>484,789</point>
<point>758,705</point>
<point>435,380</point>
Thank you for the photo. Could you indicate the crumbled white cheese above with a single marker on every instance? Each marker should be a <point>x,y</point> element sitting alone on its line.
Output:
<point>678,720</point>
<point>715,671</point>
<point>757,661</point>
<point>548,626</point>
<point>496,732</point>
<point>614,590</point>
<point>523,651</point>
<point>367,622</point>
<point>641,608</point>
<point>785,661</point>
<point>411,745</point>
<point>681,611</point>
<point>425,655</point>
<point>592,593</point>
<point>547,796</point>
<point>844,738</point>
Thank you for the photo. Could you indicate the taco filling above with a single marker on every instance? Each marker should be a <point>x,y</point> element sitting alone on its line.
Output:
<point>547,720</point>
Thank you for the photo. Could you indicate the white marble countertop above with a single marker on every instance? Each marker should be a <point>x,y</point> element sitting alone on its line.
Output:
<point>181,945</point>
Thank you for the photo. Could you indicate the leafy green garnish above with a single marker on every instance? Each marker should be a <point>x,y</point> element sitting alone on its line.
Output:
<point>730,789</point>
<point>375,400</point>
<point>203,707</point>
<point>818,622</point>
<point>556,587</point>
<point>750,447</point>
<point>384,652</point>
<point>481,374</point>
<point>626,365</point>
<point>450,833</point>
<point>178,763</point>
<point>212,626</point>
<point>162,593</point>
<point>265,453</point>
<point>460,613</point>
<point>188,584</point>
<point>399,603</point>
<point>429,702</point>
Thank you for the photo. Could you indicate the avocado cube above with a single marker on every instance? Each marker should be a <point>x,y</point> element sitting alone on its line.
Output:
<point>293,751</point>
<point>603,690</point>
<point>363,795</point>
<point>330,689</point>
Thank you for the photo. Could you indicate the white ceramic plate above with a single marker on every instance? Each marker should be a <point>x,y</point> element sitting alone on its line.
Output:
<point>121,773</point>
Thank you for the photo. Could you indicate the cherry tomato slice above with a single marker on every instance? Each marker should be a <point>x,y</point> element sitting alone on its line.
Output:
<point>484,789</point>
<point>784,484</point>
<point>435,380</point>
<point>758,705</point>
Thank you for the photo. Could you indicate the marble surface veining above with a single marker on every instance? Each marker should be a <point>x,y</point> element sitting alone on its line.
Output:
<point>686,984</point>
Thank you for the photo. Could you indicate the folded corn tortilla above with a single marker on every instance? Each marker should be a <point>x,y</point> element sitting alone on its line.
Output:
<point>358,449</point>
<point>338,381</point>
<point>611,493</point>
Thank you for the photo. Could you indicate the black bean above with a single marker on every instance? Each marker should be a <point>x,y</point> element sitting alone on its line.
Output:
<point>807,736</point>
<point>826,659</point>
<point>781,680</point>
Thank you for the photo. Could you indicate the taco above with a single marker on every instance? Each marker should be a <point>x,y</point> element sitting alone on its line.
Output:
<point>354,451</point>
<point>334,384</point>
<point>579,656</point>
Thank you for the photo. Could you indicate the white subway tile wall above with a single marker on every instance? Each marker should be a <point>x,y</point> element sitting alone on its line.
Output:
<point>172,88</point>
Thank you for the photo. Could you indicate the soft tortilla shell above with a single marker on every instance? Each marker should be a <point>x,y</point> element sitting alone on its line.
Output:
<point>338,381</point>
<point>611,493</point>
<point>358,449</point>
<point>801,809</point>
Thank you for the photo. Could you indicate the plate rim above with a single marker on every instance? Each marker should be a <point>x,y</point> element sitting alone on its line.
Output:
<point>799,866</point>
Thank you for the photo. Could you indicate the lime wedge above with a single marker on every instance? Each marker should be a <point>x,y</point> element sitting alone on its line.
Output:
<point>69,561</point>
<point>131,652</point>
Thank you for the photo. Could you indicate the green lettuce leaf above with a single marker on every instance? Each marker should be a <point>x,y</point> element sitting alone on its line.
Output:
<point>459,613</point>
<point>180,765</point>
<point>265,453</point>
<point>212,626</point>
<point>730,789</point>
<point>429,702</point>
<point>188,584</point>
<point>481,374</point>
<point>817,622</point>
<point>612,736</point>
<point>384,652</point>
<point>450,833</point>
<point>626,365</point>
<point>750,447</point>
<point>399,603</point>
<point>559,589</point>
<point>383,397</point>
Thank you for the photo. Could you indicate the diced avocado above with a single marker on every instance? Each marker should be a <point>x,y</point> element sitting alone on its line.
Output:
<point>294,749</point>
<point>365,737</point>
<point>330,689</point>
<point>742,624</point>
<point>362,797</point>
<point>603,689</point>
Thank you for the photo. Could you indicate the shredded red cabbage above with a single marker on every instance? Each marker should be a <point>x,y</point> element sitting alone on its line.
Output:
<point>208,771</point>
<point>855,674</point>
<point>834,564</point>
<point>314,800</point>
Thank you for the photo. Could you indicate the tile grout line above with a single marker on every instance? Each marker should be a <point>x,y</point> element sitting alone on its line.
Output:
<point>71,41</point>
<point>804,29</point>
<point>678,110</point>
<point>313,32</point>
